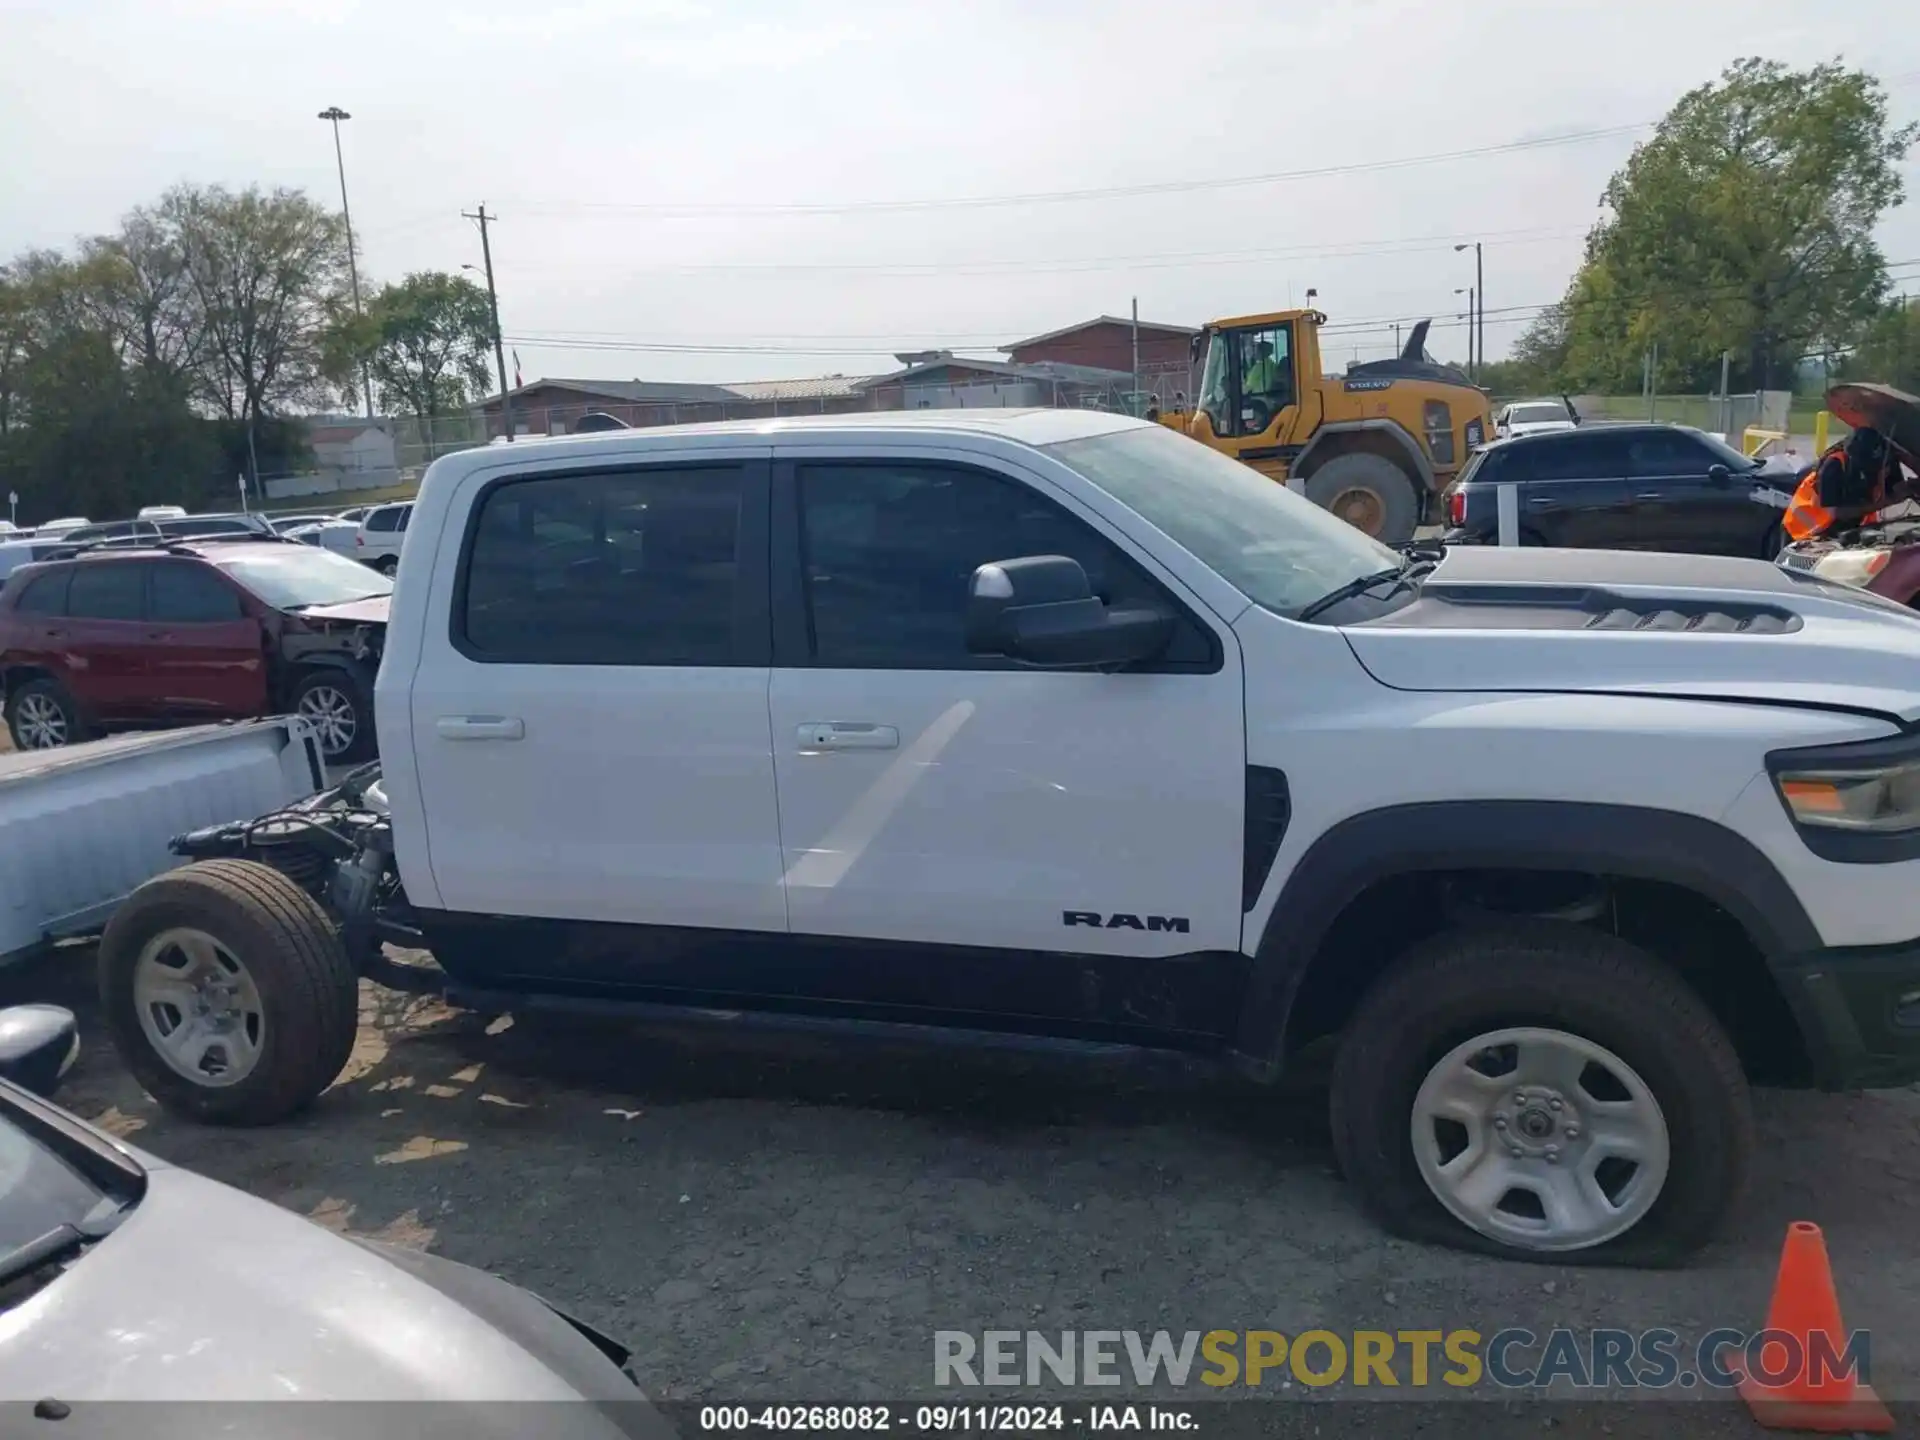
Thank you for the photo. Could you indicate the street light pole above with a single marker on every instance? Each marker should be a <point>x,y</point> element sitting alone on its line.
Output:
<point>1468,291</point>
<point>1477,323</point>
<point>334,115</point>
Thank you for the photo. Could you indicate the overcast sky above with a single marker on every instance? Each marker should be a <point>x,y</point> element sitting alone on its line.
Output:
<point>777,175</point>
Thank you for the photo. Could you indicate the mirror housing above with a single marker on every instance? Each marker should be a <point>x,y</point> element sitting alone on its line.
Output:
<point>1041,611</point>
<point>1718,473</point>
<point>38,1045</point>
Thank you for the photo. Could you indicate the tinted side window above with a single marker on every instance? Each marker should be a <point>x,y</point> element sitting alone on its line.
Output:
<point>638,568</point>
<point>381,520</point>
<point>208,525</point>
<point>188,594</point>
<point>45,595</point>
<point>106,592</point>
<point>1578,457</point>
<point>405,515</point>
<point>1671,453</point>
<point>890,551</point>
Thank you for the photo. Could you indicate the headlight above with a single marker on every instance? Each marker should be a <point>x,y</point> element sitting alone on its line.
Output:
<point>1852,567</point>
<point>1884,800</point>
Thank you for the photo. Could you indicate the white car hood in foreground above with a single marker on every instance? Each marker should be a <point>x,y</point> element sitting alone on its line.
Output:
<point>206,1294</point>
<point>1630,622</point>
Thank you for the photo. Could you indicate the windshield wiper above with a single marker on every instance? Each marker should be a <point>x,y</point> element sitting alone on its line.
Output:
<point>1364,583</point>
<point>57,1244</point>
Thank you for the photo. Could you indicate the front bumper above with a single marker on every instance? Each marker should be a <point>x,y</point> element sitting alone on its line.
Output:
<point>1859,1011</point>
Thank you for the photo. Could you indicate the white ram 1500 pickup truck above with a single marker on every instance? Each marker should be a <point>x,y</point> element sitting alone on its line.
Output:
<point>1054,727</point>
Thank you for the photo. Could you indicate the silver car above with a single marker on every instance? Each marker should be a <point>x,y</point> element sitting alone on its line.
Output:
<point>124,1278</point>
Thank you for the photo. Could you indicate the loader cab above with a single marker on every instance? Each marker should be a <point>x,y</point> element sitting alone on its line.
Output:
<point>1252,380</point>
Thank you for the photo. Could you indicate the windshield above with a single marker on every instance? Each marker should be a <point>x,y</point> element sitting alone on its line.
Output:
<point>1725,453</point>
<point>1280,551</point>
<point>1214,399</point>
<point>1536,414</point>
<point>299,577</point>
<point>39,1191</point>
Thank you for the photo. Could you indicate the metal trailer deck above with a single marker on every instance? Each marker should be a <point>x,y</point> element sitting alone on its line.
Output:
<point>82,826</point>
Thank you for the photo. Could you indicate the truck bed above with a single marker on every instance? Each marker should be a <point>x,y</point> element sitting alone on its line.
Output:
<point>81,826</point>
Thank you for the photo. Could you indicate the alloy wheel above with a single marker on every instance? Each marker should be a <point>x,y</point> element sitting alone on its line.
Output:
<point>40,723</point>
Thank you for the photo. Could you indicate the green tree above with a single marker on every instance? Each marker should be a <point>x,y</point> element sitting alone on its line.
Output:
<point>1744,225</point>
<point>427,341</point>
<point>268,273</point>
<point>1889,348</point>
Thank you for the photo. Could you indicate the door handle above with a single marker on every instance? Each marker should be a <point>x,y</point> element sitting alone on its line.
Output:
<point>818,735</point>
<point>1545,502</point>
<point>1649,495</point>
<point>480,727</point>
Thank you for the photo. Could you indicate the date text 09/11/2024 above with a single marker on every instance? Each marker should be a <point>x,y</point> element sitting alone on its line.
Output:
<point>941,1419</point>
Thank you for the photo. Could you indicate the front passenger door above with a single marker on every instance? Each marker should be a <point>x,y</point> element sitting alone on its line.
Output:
<point>1007,822</point>
<point>1686,498</point>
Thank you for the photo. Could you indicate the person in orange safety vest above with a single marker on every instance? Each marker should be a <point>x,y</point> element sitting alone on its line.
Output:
<point>1846,488</point>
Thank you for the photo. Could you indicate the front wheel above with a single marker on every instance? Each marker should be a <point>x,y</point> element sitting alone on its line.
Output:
<point>334,702</point>
<point>1370,493</point>
<point>1540,1090</point>
<point>227,992</point>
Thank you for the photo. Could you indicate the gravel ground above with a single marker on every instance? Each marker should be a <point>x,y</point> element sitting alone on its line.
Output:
<point>786,1219</point>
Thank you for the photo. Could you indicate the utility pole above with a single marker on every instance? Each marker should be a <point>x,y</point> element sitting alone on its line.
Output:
<point>1396,339</point>
<point>1470,293</point>
<point>1136,347</point>
<point>334,114</point>
<point>1477,319</point>
<point>493,300</point>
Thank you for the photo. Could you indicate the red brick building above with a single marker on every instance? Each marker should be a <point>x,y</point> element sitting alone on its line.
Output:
<point>1106,343</point>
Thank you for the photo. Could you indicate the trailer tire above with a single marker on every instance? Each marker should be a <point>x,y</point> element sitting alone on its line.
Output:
<point>1369,492</point>
<point>253,928</point>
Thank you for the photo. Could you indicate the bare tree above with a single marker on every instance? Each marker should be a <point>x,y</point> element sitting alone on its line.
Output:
<point>147,300</point>
<point>268,273</point>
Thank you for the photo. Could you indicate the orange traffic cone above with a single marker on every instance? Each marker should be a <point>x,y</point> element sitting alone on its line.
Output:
<point>1806,1308</point>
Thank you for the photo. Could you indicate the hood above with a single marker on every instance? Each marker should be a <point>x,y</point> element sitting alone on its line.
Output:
<point>205,1293</point>
<point>1631,622</point>
<point>370,611</point>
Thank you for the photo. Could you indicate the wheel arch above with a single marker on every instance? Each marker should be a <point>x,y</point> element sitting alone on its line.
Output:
<point>1427,841</point>
<point>323,660</point>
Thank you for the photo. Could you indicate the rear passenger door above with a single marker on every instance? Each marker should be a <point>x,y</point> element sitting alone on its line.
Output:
<point>105,638</point>
<point>592,747</point>
<point>1576,494</point>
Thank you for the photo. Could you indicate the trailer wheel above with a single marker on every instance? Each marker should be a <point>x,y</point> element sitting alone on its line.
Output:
<point>228,992</point>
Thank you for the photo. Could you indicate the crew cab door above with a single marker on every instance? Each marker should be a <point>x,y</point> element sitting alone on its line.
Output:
<point>589,731</point>
<point>995,825</point>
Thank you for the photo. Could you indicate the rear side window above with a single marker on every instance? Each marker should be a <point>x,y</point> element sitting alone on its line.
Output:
<point>405,515</point>
<point>382,520</point>
<point>45,595</point>
<point>633,568</point>
<point>188,594</point>
<point>106,592</point>
<point>1573,456</point>
<point>1667,453</point>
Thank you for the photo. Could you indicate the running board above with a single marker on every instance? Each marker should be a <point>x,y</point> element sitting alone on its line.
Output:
<point>786,1022</point>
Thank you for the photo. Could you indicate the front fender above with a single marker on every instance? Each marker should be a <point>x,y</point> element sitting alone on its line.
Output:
<point>1629,841</point>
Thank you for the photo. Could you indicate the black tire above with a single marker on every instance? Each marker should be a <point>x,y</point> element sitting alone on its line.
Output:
<point>388,565</point>
<point>1773,542</point>
<point>339,685</point>
<point>1395,501</point>
<point>309,994</point>
<point>1554,975</point>
<point>51,691</point>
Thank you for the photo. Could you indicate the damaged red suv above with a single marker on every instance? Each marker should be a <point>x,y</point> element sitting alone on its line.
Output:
<point>140,638</point>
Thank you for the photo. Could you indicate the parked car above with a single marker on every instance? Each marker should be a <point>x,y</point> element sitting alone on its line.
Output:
<point>131,638</point>
<point>1052,727</point>
<point>283,523</point>
<point>161,512</point>
<point>1534,417</point>
<point>355,514</point>
<point>174,527</point>
<point>335,535</point>
<point>1622,487</point>
<point>237,1299</point>
<point>382,530</point>
<point>1882,558</point>
<point>8,529</point>
<point>53,529</point>
<point>19,551</point>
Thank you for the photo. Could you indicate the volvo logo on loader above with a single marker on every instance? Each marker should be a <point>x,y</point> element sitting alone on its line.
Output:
<point>1120,920</point>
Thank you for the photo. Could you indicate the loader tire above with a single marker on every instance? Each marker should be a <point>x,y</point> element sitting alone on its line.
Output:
<point>1370,493</point>
<point>228,993</point>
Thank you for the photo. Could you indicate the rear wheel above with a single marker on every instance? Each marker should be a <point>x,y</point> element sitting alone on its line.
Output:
<point>228,992</point>
<point>387,564</point>
<point>42,715</point>
<point>1370,493</point>
<point>1540,1090</point>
